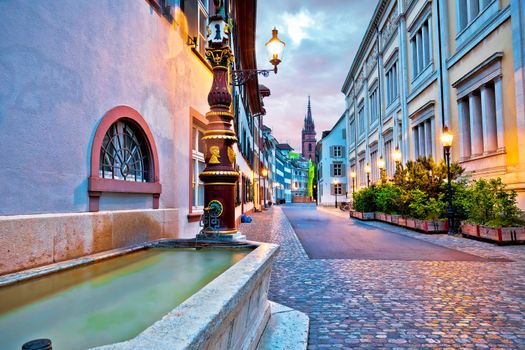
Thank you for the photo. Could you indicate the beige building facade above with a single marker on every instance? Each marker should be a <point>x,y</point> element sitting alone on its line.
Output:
<point>423,65</point>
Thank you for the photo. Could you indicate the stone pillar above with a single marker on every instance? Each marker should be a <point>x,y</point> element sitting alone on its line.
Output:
<point>421,134</point>
<point>490,142</point>
<point>476,129</point>
<point>464,129</point>
<point>220,176</point>
<point>415,138</point>
<point>428,139</point>
<point>498,107</point>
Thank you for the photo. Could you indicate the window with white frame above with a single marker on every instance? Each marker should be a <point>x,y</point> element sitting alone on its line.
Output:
<point>361,121</point>
<point>337,169</point>
<point>198,165</point>
<point>468,10</point>
<point>421,46</point>
<point>374,105</point>
<point>337,189</point>
<point>480,109</point>
<point>392,91</point>
<point>202,23</point>
<point>337,151</point>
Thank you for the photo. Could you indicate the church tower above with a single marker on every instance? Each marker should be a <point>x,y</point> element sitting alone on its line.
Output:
<point>308,135</point>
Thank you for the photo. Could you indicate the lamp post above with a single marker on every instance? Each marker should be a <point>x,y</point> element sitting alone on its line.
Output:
<point>219,176</point>
<point>353,175</point>
<point>446,140</point>
<point>368,169</point>
<point>264,174</point>
<point>396,156</point>
<point>335,191</point>
<point>381,167</point>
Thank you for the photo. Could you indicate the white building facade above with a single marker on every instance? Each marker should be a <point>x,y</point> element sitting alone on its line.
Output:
<point>424,65</point>
<point>332,166</point>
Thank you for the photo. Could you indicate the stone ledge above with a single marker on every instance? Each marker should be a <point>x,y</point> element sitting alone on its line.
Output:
<point>287,329</point>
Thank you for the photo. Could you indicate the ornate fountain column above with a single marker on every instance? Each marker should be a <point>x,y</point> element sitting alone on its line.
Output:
<point>220,176</point>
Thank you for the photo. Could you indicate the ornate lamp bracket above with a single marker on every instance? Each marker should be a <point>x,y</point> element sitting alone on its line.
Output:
<point>242,76</point>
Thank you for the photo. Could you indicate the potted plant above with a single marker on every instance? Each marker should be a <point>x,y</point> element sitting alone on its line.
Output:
<point>426,212</point>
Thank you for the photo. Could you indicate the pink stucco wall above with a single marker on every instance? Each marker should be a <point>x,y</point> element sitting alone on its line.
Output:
<point>63,65</point>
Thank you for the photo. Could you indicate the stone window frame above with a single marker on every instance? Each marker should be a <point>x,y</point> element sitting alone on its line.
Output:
<point>98,185</point>
<point>197,121</point>
<point>392,65</point>
<point>373,104</point>
<point>388,138</point>
<point>423,118</point>
<point>424,17</point>
<point>466,31</point>
<point>488,72</point>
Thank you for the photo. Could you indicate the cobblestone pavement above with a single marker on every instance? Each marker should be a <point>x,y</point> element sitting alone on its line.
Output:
<point>399,304</point>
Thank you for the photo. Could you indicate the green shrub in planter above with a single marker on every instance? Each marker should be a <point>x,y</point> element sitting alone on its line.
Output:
<point>388,199</point>
<point>365,199</point>
<point>424,207</point>
<point>489,203</point>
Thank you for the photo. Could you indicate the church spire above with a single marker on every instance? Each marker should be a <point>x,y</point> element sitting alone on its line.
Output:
<point>308,134</point>
<point>308,120</point>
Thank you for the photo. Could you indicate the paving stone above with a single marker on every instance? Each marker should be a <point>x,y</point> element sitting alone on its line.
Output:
<point>415,304</point>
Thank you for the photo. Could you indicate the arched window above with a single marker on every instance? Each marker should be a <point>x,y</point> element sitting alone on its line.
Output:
<point>123,157</point>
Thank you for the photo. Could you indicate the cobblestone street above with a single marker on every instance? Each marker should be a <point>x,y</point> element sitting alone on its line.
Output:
<point>398,303</point>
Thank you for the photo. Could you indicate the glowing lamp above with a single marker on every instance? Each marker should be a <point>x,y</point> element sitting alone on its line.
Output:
<point>275,48</point>
<point>353,174</point>
<point>446,138</point>
<point>264,172</point>
<point>396,155</point>
<point>368,169</point>
<point>381,163</point>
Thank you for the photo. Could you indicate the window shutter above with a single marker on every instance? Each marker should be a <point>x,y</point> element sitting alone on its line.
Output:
<point>343,150</point>
<point>332,151</point>
<point>344,134</point>
<point>331,170</point>
<point>343,170</point>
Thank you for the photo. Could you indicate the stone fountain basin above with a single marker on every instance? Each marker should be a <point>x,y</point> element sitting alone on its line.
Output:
<point>230,312</point>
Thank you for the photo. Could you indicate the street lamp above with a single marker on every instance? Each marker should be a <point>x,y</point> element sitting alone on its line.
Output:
<point>381,167</point>
<point>368,169</point>
<point>396,156</point>
<point>335,191</point>
<point>446,140</point>
<point>264,173</point>
<point>353,175</point>
<point>220,175</point>
<point>275,49</point>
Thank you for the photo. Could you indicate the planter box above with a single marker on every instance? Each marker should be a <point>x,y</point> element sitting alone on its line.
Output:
<point>470,229</point>
<point>402,221</point>
<point>411,223</point>
<point>380,216</point>
<point>388,218</point>
<point>362,216</point>
<point>395,219</point>
<point>502,234</point>
<point>431,226</point>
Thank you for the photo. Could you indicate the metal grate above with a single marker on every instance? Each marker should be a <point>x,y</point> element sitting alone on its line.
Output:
<point>123,156</point>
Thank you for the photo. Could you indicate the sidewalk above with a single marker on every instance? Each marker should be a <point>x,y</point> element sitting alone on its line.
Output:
<point>399,304</point>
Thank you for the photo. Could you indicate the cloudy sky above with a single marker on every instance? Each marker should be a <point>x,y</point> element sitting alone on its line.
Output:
<point>321,38</point>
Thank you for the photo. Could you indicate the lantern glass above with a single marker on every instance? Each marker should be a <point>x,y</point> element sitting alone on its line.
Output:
<point>353,174</point>
<point>368,169</point>
<point>275,48</point>
<point>264,172</point>
<point>396,155</point>
<point>381,163</point>
<point>446,137</point>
